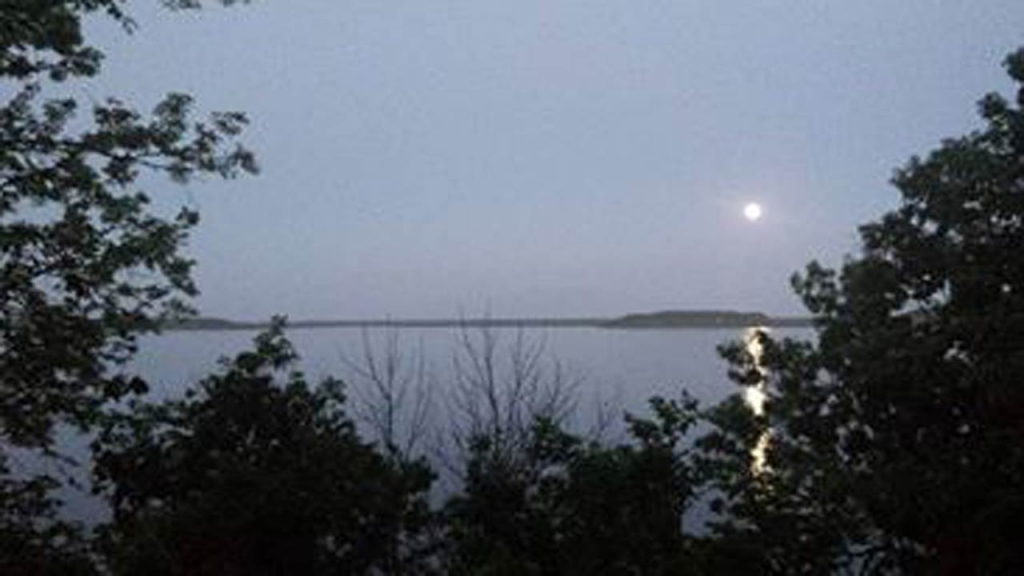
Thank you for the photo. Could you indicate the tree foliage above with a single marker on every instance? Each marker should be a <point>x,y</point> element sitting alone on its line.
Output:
<point>566,505</point>
<point>86,263</point>
<point>897,442</point>
<point>254,474</point>
<point>34,540</point>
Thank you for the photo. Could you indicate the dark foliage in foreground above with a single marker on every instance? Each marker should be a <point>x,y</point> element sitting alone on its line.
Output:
<point>251,474</point>
<point>564,505</point>
<point>897,442</point>
<point>893,445</point>
<point>86,263</point>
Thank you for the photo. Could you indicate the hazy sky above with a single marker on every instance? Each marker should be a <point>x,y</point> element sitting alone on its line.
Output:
<point>422,158</point>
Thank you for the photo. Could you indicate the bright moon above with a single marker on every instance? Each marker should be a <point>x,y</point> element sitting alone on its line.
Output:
<point>752,211</point>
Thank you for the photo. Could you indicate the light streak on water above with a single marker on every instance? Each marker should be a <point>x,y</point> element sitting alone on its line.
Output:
<point>755,395</point>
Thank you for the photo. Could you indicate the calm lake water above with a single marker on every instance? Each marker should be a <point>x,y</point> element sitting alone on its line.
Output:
<point>617,369</point>
<point>613,365</point>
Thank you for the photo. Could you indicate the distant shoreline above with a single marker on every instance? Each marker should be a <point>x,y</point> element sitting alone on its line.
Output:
<point>667,320</point>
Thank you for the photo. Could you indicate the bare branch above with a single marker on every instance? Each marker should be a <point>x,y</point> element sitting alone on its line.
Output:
<point>393,392</point>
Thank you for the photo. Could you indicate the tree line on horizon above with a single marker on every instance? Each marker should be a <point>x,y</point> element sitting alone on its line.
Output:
<point>697,318</point>
<point>893,444</point>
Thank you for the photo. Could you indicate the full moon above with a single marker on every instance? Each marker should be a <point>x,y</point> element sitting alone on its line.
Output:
<point>752,211</point>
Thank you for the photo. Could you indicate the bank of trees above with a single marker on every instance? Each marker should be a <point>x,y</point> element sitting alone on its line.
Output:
<point>892,444</point>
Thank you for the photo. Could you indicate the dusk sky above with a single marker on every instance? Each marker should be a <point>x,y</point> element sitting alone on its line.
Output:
<point>434,158</point>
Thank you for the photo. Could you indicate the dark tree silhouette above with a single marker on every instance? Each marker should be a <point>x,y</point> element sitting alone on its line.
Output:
<point>257,472</point>
<point>566,505</point>
<point>897,442</point>
<point>85,263</point>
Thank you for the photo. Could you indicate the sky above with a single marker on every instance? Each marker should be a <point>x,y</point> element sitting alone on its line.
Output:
<point>437,158</point>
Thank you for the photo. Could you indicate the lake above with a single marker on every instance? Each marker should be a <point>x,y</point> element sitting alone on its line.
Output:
<point>625,366</point>
<point>616,369</point>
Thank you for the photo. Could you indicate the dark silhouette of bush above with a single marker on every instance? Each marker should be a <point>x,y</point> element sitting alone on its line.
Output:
<point>565,505</point>
<point>257,472</point>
